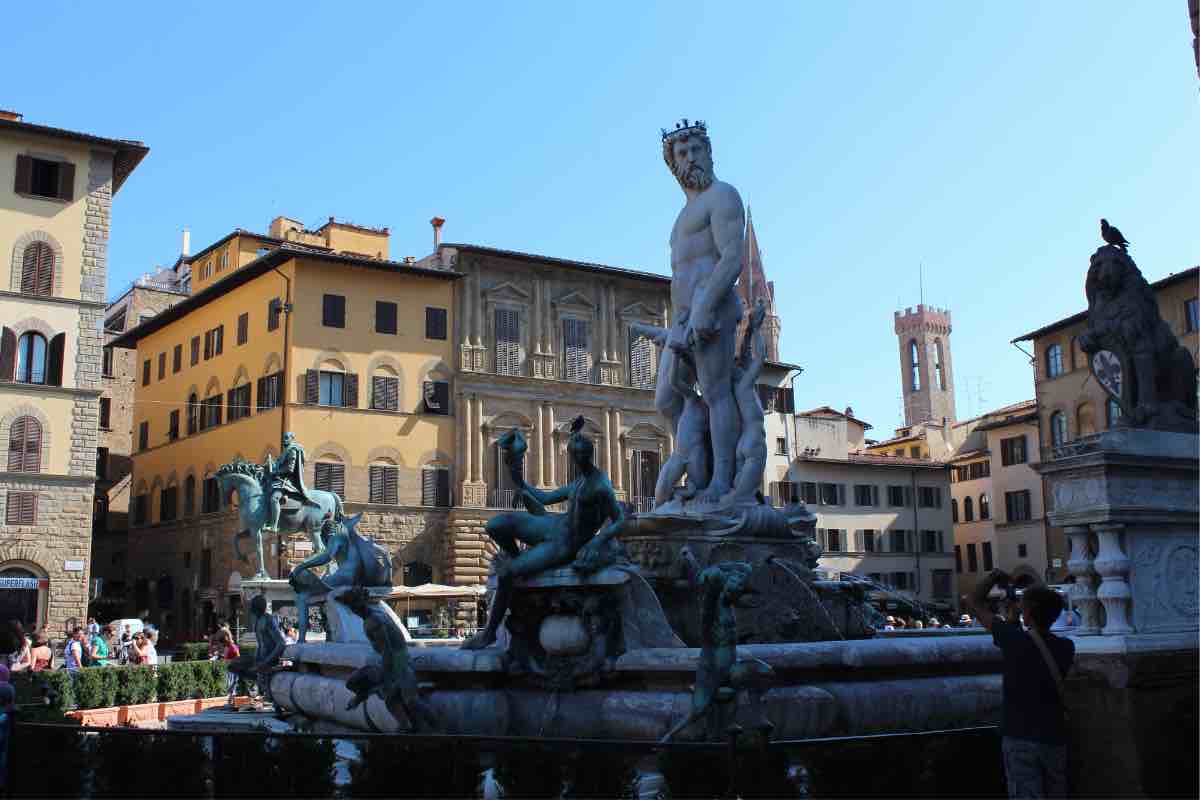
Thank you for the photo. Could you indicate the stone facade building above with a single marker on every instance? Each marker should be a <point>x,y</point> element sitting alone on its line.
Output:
<point>56,191</point>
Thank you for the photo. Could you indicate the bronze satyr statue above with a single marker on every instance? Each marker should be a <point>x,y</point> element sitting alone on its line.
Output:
<point>393,679</point>
<point>1156,386</point>
<point>552,540</point>
<point>719,674</point>
<point>269,648</point>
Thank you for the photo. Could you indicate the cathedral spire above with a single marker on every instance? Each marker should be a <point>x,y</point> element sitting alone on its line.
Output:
<point>753,286</point>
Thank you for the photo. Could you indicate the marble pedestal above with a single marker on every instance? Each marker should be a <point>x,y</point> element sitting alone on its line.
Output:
<point>1129,502</point>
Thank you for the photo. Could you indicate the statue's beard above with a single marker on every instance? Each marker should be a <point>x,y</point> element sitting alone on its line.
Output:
<point>695,177</point>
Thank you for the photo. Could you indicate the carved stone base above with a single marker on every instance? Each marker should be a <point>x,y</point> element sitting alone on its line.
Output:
<point>474,495</point>
<point>610,373</point>
<point>542,365</point>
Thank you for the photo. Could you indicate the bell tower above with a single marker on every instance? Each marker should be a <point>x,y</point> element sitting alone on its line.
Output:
<point>926,368</point>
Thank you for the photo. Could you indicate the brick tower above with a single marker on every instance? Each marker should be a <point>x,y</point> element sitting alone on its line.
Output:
<point>926,368</point>
<point>753,286</point>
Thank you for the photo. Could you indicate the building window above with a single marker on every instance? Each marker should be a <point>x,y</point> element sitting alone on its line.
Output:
<point>332,390</point>
<point>953,509</point>
<point>808,493</point>
<point>781,448</point>
<point>577,360</point>
<point>508,342</point>
<point>177,358</point>
<point>435,487</point>
<point>243,328</point>
<point>141,506</point>
<point>929,496</point>
<point>385,393</point>
<point>972,558</point>
<point>1058,428</point>
<point>979,469</point>
<point>333,311</point>
<point>987,557</point>
<point>866,495</point>
<point>899,541</point>
<point>958,558</point>
<point>105,414</point>
<point>168,504</point>
<point>968,510</point>
<point>193,414</point>
<point>331,477</point>
<point>1022,551</point>
<point>22,508</point>
<point>643,474</point>
<point>1112,412</point>
<point>641,362</point>
<point>25,445</point>
<point>902,581</point>
<point>937,364</point>
<point>435,323</point>
<point>102,463</point>
<point>868,541</point>
<point>833,494</point>
<point>436,397</point>
<point>268,391</point>
<point>106,364</point>
<point>162,366</point>
<point>914,452</point>
<point>384,480</point>
<point>1054,361</point>
<point>274,309</point>
<point>42,178</point>
<point>939,580</point>
<point>1191,316</point>
<point>143,435</point>
<point>1017,507</point>
<point>239,402</point>
<point>833,540</point>
<point>214,342</point>
<point>189,495</point>
<point>211,413</point>
<point>782,493</point>
<point>37,270</point>
<point>1012,451</point>
<point>211,501</point>
<point>173,426</point>
<point>146,372</point>
<point>195,350</point>
<point>932,541</point>
<point>37,362</point>
<point>985,507</point>
<point>899,496</point>
<point>206,560</point>
<point>914,366</point>
<point>385,317</point>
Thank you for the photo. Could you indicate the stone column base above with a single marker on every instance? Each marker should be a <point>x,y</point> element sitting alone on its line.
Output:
<point>473,495</point>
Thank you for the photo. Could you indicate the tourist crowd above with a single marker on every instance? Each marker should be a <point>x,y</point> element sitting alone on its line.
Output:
<point>91,646</point>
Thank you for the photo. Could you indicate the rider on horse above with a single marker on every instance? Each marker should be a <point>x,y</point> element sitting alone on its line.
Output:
<point>285,478</point>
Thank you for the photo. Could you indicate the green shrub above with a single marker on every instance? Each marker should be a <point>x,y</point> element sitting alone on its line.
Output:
<point>96,687</point>
<point>175,682</point>
<point>192,651</point>
<point>135,685</point>
<point>60,688</point>
<point>209,677</point>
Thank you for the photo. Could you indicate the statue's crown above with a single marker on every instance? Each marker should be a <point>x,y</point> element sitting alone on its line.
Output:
<point>684,128</point>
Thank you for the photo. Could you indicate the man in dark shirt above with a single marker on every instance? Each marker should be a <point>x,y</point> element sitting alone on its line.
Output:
<point>1033,719</point>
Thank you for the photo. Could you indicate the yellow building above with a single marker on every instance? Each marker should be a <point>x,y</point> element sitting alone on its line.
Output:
<point>56,189</point>
<point>351,353</point>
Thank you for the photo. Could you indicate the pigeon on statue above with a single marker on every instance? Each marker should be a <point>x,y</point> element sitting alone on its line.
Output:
<point>1112,235</point>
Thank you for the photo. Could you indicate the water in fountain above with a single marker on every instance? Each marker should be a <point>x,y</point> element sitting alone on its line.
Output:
<point>788,568</point>
<point>916,605</point>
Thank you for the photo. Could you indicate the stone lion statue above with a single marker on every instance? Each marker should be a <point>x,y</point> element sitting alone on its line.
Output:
<point>1158,386</point>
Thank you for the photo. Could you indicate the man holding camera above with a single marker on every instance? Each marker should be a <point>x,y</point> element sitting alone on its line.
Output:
<point>1033,719</point>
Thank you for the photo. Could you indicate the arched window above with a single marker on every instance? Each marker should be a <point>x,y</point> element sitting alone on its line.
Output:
<point>953,510</point>
<point>193,413</point>
<point>985,507</point>
<point>1112,412</point>
<point>329,474</point>
<point>189,495</point>
<point>25,445</point>
<point>37,269</point>
<point>937,364</point>
<point>1054,361</point>
<point>31,358</point>
<point>914,360</point>
<point>383,482</point>
<point>1058,428</point>
<point>968,510</point>
<point>1085,420</point>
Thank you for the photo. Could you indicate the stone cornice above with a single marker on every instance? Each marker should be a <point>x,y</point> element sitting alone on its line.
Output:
<point>51,300</point>
<point>12,387</point>
<point>49,477</point>
<point>490,384</point>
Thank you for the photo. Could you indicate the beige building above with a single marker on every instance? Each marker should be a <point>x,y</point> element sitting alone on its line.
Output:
<point>56,190</point>
<point>1070,402</point>
<point>882,517</point>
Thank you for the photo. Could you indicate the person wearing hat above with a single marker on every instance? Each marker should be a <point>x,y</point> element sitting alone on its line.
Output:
<point>891,623</point>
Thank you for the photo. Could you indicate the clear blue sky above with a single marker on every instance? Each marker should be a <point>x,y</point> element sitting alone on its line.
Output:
<point>982,139</point>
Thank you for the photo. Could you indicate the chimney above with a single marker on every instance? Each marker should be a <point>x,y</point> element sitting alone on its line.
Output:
<point>11,116</point>
<point>187,243</point>
<point>437,223</point>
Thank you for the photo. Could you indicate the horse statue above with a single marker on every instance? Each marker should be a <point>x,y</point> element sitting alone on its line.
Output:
<point>247,479</point>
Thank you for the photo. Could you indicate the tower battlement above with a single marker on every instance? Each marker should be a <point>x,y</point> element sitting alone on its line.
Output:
<point>929,319</point>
